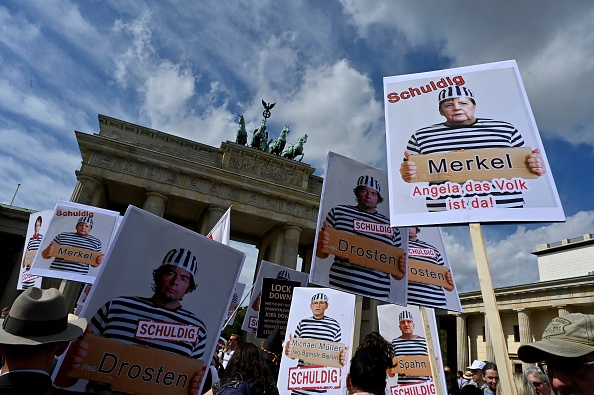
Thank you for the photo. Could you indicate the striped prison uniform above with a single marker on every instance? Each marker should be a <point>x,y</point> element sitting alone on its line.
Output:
<point>483,133</point>
<point>33,245</point>
<point>425,294</point>
<point>358,279</point>
<point>324,328</point>
<point>73,239</point>
<point>119,318</point>
<point>404,347</point>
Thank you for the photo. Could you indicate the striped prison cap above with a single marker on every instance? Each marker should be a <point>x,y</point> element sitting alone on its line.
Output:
<point>85,220</point>
<point>368,181</point>
<point>180,257</point>
<point>405,315</point>
<point>319,296</point>
<point>283,275</point>
<point>455,91</point>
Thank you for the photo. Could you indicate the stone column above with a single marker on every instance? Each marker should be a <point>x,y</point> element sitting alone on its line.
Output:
<point>461,342</point>
<point>290,246</point>
<point>155,203</point>
<point>562,310</point>
<point>525,333</point>
<point>490,356</point>
<point>87,191</point>
<point>215,213</point>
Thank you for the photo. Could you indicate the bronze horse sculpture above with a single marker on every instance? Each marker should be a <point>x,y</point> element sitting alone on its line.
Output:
<point>241,132</point>
<point>259,135</point>
<point>277,146</point>
<point>297,149</point>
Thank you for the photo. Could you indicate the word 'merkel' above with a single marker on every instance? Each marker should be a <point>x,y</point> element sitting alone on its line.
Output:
<point>476,163</point>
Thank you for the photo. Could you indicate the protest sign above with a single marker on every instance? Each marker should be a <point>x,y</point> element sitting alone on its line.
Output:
<point>38,224</point>
<point>145,297</point>
<point>275,304</point>
<point>318,341</point>
<point>463,146</point>
<point>356,250</point>
<point>75,243</point>
<point>267,270</point>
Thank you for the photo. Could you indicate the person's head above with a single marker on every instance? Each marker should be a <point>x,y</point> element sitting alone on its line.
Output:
<point>457,105</point>
<point>367,193</point>
<point>247,362</point>
<point>5,311</point>
<point>467,375</point>
<point>490,375</point>
<point>459,374</point>
<point>471,390</point>
<point>37,328</point>
<point>413,232</point>
<point>234,341</point>
<point>319,304</point>
<point>538,379</point>
<point>369,365</point>
<point>567,347</point>
<point>476,371</point>
<point>38,223</point>
<point>405,323</point>
<point>176,276</point>
<point>84,226</point>
<point>522,385</point>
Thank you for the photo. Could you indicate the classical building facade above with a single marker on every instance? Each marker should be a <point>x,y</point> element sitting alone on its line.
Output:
<point>566,285</point>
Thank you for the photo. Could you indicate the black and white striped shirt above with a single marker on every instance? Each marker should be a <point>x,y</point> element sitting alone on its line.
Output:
<point>404,347</point>
<point>119,319</point>
<point>358,279</point>
<point>33,245</point>
<point>483,133</point>
<point>73,239</point>
<point>324,328</point>
<point>425,294</point>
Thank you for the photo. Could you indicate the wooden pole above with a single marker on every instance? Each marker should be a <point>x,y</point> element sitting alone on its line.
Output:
<point>428,317</point>
<point>493,320</point>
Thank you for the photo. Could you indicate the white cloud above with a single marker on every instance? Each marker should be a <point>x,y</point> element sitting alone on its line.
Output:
<point>551,41</point>
<point>510,259</point>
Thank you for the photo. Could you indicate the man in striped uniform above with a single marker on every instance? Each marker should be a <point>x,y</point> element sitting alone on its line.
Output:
<point>148,321</point>
<point>344,275</point>
<point>462,130</point>
<point>320,327</point>
<point>420,293</point>
<point>79,239</point>
<point>33,245</point>
<point>409,344</point>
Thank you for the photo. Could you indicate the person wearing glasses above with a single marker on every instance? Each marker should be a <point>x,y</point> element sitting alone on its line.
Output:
<point>539,380</point>
<point>567,348</point>
<point>232,345</point>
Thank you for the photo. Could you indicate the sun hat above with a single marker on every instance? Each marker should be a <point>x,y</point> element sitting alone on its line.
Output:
<point>40,316</point>
<point>467,375</point>
<point>476,365</point>
<point>568,336</point>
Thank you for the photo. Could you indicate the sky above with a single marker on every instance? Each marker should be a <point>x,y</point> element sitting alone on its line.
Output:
<point>190,68</point>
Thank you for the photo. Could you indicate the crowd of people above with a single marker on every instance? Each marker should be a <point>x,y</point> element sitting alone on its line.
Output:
<point>38,328</point>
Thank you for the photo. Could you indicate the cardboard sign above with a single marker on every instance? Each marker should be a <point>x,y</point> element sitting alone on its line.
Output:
<point>427,387</point>
<point>412,365</point>
<point>75,254</point>
<point>29,256</point>
<point>314,378</point>
<point>364,251</point>
<point>474,164</point>
<point>427,273</point>
<point>136,369</point>
<point>275,305</point>
<point>316,352</point>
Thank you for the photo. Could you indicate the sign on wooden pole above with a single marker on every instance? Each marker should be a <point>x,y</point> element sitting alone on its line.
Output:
<point>493,319</point>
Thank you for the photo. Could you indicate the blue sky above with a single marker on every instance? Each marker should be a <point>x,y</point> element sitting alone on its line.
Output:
<point>189,68</point>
